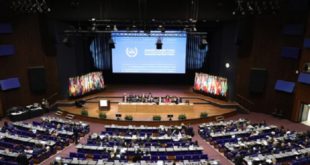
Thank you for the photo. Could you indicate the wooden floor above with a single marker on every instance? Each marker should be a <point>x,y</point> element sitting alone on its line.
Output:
<point>114,92</point>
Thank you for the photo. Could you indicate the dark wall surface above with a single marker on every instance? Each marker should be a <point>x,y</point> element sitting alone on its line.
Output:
<point>302,95</point>
<point>27,39</point>
<point>142,9</point>
<point>265,52</point>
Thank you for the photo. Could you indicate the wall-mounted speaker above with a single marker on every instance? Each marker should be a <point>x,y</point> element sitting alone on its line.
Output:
<point>307,43</point>
<point>7,50</point>
<point>290,52</point>
<point>6,28</point>
<point>285,86</point>
<point>9,84</point>
<point>258,80</point>
<point>37,79</point>
<point>304,78</point>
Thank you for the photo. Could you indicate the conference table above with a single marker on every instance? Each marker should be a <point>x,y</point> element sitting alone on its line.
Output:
<point>266,142</point>
<point>227,134</point>
<point>62,121</point>
<point>134,137</point>
<point>10,154</point>
<point>222,123</point>
<point>33,127</point>
<point>268,158</point>
<point>23,113</point>
<point>124,107</point>
<point>145,149</point>
<point>117,162</point>
<point>141,127</point>
<point>27,139</point>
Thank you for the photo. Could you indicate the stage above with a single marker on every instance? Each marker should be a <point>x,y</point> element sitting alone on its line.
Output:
<point>114,93</point>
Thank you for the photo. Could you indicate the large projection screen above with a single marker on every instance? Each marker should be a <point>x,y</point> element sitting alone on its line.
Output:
<point>136,52</point>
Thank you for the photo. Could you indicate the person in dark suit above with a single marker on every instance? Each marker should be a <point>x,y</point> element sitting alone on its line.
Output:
<point>22,159</point>
<point>76,134</point>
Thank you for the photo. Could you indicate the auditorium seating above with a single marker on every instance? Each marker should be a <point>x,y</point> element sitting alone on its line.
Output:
<point>139,144</point>
<point>37,140</point>
<point>71,161</point>
<point>249,143</point>
<point>240,140</point>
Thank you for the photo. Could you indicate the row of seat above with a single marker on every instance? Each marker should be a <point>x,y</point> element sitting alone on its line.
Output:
<point>172,144</point>
<point>37,141</point>
<point>254,143</point>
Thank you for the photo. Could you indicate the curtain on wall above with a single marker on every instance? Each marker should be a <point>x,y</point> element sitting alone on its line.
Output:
<point>101,52</point>
<point>195,57</point>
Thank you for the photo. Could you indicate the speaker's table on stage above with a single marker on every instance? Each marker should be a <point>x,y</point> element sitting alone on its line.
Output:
<point>155,108</point>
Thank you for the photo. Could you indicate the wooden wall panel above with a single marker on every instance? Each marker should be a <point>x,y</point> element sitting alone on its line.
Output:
<point>302,91</point>
<point>265,53</point>
<point>28,42</point>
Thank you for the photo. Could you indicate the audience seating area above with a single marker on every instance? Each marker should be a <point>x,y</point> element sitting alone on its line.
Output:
<point>241,141</point>
<point>36,141</point>
<point>249,143</point>
<point>139,145</point>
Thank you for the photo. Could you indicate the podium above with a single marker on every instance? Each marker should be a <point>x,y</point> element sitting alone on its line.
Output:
<point>104,105</point>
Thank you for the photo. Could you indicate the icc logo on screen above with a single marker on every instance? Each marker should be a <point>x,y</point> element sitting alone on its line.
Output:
<point>131,52</point>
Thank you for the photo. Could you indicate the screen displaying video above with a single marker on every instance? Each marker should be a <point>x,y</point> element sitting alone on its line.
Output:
<point>209,84</point>
<point>80,85</point>
<point>137,52</point>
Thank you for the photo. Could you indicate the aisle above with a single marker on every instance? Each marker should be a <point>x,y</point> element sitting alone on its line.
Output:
<point>213,153</point>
